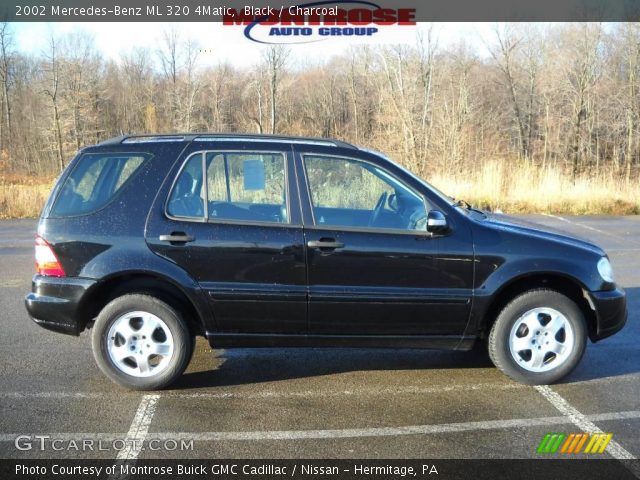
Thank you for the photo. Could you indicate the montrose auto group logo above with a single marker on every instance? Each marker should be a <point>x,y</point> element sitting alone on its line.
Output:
<point>317,21</point>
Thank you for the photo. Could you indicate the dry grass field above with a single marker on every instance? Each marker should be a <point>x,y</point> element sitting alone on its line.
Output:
<point>23,197</point>
<point>532,189</point>
<point>525,189</point>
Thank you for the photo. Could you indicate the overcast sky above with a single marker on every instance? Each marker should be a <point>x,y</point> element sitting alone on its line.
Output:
<point>226,43</point>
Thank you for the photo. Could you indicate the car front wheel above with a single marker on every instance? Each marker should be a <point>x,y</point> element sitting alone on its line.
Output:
<point>141,342</point>
<point>538,338</point>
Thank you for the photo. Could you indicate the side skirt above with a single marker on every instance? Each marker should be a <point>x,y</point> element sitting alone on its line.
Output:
<point>243,340</point>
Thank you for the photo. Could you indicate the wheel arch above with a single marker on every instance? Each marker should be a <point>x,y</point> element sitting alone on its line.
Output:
<point>142,282</point>
<point>563,284</point>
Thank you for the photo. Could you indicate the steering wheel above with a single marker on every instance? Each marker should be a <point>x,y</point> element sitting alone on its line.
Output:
<point>378,208</point>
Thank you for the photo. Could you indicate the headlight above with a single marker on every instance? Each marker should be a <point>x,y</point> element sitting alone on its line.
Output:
<point>605,270</point>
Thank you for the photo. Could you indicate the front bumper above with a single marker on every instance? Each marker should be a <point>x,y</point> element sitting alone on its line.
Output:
<point>54,303</point>
<point>611,312</point>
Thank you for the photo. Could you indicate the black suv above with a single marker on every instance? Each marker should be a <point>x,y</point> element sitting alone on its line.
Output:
<point>255,241</point>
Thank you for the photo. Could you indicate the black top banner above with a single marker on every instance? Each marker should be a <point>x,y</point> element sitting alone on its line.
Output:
<point>343,12</point>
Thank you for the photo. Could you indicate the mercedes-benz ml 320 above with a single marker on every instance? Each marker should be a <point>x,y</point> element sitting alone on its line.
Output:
<point>254,241</point>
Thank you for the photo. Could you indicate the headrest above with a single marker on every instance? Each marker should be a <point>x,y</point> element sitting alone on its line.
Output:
<point>184,185</point>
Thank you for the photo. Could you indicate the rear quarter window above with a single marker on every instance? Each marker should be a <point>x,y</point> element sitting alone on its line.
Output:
<point>95,180</point>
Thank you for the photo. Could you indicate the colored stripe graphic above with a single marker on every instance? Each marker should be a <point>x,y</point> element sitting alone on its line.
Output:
<point>543,443</point>
<point>577,443</point>
<point>574,442</point>
<point>567,442</point>
<point>581,443</point>
<point>550,442</point>
<point>598,443</point>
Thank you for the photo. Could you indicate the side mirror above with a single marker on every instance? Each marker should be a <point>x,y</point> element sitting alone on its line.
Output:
<point>437,222</point>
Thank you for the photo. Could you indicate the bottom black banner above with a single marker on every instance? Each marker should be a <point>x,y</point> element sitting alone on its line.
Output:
<point>579,469</point>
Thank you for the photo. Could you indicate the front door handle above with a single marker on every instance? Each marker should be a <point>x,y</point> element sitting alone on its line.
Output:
<point>324,243</point>
<point>177,237</point>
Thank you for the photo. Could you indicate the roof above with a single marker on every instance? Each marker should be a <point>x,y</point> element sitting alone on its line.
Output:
<point>229,137</point>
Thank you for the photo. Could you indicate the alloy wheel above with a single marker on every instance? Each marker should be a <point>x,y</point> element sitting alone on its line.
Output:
<point>140,344</point>
<point>541,339</point>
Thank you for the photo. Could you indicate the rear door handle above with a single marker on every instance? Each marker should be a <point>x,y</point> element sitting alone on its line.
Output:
<point>177,237</point>
<point>322,243</point>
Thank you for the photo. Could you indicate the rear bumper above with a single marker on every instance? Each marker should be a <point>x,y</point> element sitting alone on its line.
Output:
<point>611,312</point>
<point>54,303</point>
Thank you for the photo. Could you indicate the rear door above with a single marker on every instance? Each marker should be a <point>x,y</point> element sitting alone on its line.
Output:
<point>230,217</point>
<point>372,267</point>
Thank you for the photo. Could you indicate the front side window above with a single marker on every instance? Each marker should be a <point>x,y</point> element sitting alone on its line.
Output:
<point>95,181</point>
<point>351,193</point>
<point>239,186</point>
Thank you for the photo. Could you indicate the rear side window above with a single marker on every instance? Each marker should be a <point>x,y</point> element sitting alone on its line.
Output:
<point>246,187</point>
<point>95,181</point>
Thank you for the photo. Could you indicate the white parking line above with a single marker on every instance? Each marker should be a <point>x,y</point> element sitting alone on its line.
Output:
<point>409,390</point>
<point>220,395</point>
<point>139,428</point>
<point>581,421</point>
<point>383,431</point>
<point>588,227</point>
<point>343,433</point>
<point>216,394</point>
<point>593,229</point>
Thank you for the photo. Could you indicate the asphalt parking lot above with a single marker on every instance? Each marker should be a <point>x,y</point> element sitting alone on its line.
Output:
<point>315,403</point>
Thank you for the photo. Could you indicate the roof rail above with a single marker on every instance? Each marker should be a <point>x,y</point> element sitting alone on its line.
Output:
<point>223,137</point>
<point>229,137</point>
<point>154,138</point>
<point>207,138</point>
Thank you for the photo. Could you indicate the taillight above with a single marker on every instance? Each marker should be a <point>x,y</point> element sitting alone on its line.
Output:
<point>46,261</point>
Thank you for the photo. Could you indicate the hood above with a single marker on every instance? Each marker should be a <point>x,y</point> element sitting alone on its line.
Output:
<point>518,225</point>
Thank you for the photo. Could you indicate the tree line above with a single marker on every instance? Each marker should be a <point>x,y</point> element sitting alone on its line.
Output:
<point>566,95</point>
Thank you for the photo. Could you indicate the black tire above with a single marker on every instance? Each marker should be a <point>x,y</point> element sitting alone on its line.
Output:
<point>183,341</point>
<point>499,350</point>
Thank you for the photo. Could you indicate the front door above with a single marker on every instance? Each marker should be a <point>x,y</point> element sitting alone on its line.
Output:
<point>372,267</point>
<point>228,221</point>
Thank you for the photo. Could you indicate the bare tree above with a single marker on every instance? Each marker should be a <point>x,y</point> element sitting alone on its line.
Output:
<point>6,53</point>
<point>257,85</point>
<point>504,53</point>
<point>630,38</point>
<point>455,112</point>
<point>533,51</point>
<point>79,79</point>
<point>217,89</point>
<point>52,91</point>
<point>138,108</point>
<point>583,72</point>
<point>170,61</point>
<point>275,58</point>
<point>354,92</point>
<point>395,61</point>
<point>562,96</point>
<point>427,48</point>
<point>192,83</point>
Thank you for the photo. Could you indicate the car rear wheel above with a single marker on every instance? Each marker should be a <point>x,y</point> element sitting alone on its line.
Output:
<point>141,342</point>
<point>538,338</point>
